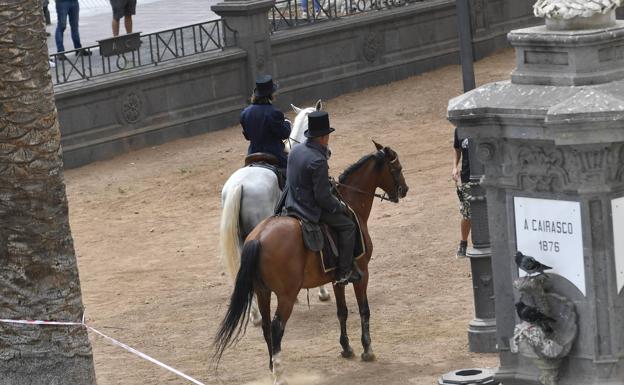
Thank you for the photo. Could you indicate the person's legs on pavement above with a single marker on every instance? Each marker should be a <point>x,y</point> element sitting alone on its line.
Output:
<point>317,7</point>
<point>117,15</point>
<point>304,9</point>
<point>115,27</point>
<point>62,9</point>
<point>463,193</point>
<point>73,13</point>
<point>130,9</point>
<point>128,23</point>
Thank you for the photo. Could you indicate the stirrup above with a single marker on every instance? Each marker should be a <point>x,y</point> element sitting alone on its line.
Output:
<point>352,277</point>
<point>342,279</point>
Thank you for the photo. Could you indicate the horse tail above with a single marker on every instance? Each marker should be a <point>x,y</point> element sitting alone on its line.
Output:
<point>230,237</point>
<point>236,318</point>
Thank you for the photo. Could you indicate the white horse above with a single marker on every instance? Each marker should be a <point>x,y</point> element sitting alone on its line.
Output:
<point>248,197</point>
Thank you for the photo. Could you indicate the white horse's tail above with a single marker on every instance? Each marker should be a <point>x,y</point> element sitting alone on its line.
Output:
<point>230,230</point>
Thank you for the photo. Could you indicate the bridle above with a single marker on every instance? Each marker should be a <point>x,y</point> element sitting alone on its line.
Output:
<point>394,171</point>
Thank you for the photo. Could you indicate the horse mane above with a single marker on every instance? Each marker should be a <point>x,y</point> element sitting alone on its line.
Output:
<point>379,159</point>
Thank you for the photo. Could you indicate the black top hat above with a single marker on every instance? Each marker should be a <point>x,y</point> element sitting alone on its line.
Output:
<point>264,86</point>
<point>318,124</point>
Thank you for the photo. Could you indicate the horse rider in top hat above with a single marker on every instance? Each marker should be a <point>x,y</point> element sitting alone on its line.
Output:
<point>264,125</point>
<point>309,192</point>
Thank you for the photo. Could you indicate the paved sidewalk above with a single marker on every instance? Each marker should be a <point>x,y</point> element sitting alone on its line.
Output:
<point>151,16</point>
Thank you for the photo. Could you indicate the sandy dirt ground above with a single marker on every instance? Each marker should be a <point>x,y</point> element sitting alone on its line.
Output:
<point>145,226</point>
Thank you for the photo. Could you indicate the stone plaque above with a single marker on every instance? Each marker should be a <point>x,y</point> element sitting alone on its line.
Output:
<point>617,214</point>
<point>550,231</point>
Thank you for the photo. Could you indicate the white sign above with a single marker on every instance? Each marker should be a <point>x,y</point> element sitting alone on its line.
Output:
<point>617,214</point>
<point>551,232</point>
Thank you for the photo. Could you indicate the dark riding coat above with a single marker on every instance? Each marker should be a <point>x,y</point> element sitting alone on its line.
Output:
<point>308,182</point>
<point>264,126</point>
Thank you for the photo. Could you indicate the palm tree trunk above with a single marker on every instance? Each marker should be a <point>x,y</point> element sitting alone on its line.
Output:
<point>38,271</point>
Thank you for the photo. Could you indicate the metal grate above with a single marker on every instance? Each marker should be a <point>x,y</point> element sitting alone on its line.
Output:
<point>158,47</point>
<point>292,13</point>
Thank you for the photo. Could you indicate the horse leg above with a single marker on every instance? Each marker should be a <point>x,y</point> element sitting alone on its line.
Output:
<point>323,294</point>
<point>254,314</point>
<point>264,304</point>
<point>362,300</point>
<point>282,314</point>
<point>343,313</point>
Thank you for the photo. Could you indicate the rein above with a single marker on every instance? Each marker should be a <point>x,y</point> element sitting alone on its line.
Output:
<point>292,140</point>
<point>383,197</point>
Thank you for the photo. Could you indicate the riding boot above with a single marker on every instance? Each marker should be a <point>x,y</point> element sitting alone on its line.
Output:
<point>345,271</point>
<point>345,229</point>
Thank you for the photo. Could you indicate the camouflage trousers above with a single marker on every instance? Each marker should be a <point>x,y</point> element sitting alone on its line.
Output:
<point>463,193</point>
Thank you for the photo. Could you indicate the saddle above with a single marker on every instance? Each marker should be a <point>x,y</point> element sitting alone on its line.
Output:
<point>268,161</point>
<point>261,157</point>
<point>323,240</point>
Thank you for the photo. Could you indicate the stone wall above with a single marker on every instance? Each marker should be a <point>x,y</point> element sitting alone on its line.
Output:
<point>329,59</point>
<point>105,117</point>
<point>111,115</point>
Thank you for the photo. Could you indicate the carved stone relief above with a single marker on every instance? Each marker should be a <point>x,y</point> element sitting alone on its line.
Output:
<point>131,107</point>
<point>372,46</point>
<point>541,168</point>
<point>544,168</point>
<point>478,12</point>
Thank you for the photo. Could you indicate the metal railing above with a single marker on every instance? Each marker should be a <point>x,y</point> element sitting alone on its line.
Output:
<point>152,49</point>
<point>292,13</point>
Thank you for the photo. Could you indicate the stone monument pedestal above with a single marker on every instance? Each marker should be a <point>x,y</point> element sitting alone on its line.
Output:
<point>482,329</point>
<point>568,57</point>
<point>552,144</point>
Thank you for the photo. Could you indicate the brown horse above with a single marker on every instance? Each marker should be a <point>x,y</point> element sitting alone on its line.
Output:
<point>275,259</point>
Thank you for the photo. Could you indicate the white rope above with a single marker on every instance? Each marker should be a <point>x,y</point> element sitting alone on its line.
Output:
<point>110,339</point>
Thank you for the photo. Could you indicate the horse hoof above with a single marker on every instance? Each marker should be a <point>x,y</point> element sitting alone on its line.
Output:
<point>347,353</point>
<point>324,297</point>
<point>368,357</point>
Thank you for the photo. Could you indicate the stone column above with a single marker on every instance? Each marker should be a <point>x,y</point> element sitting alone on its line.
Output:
<point>250,20</point>
<point>552,143</point>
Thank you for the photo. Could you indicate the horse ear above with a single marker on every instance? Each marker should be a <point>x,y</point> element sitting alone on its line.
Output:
<point>319,105</point>
<point>378,146</point>
<point>295,108</point>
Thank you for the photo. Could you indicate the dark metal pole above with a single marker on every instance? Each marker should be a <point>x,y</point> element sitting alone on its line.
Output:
<point>465,43</point>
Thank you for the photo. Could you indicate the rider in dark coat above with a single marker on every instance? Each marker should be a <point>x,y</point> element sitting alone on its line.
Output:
<point>264,125</point>
<point>309,192</point>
